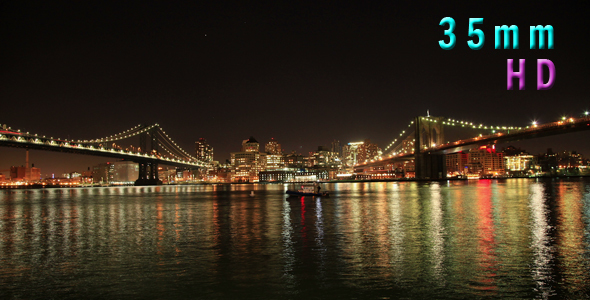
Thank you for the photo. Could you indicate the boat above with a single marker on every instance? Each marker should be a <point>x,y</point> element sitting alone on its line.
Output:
<point>307,191</point>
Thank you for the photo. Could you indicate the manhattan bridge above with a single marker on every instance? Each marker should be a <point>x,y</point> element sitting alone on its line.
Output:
<point>155,148</point>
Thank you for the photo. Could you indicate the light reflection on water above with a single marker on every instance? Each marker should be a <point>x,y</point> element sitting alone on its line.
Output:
<point>520,238</point>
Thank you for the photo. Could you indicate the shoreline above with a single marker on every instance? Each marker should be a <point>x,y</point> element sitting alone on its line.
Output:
<point>40,186</point>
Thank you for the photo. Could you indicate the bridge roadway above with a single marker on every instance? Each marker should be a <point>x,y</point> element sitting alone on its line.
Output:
<point>21,140</point>
<point>535,131</point>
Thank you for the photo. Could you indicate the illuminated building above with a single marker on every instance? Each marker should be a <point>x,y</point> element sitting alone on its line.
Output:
<point>336,148</point>
<point>360,152</point>
<point>273,162</point>
<point>24,173</point>
<point>294,161</point>
<point>273,147</point>
<point>456,163</point>
<point>120,172</point>
<point>368,151</point>
<point>350,154</point>
<point>310,176</point>
<point>246,166</point>
<point>103,173</point>
<point>408,145</point>
<point>521,162</point>
<point>125,172</point>
<point>277,176</point>
<point>569,159</point>
<point>219,173</point>
<point>273,158</point>
<point>323,157</point>
<point>247,163</point>
<point>204,151</point>
<point>293,176</point>
<point>250,145</point>
<point>27,173</point>
<point>485,161</point>
<point>167,174</point>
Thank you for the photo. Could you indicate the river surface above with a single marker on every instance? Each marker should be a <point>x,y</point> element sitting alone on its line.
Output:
<point>516,238</point>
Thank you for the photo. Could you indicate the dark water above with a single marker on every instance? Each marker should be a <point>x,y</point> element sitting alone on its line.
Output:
<point>519,238</point>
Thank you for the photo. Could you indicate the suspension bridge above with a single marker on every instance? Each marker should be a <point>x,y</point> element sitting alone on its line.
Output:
<point>424,141</point>
<point>155,147</point>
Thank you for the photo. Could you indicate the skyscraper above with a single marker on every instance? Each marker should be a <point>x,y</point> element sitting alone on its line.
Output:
<point>337,148</point>
<point>273,147</point>
<point>204,151</point>
<point>247,163</point>
<point>368,151</point>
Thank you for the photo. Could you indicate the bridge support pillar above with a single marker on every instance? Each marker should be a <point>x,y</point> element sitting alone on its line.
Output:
<point>148,170</point>
<point>429,132</point>
<point>148,174</point>
<point>431,166</point>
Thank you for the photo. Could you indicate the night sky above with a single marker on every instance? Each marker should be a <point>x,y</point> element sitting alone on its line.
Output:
<point>303,73</point>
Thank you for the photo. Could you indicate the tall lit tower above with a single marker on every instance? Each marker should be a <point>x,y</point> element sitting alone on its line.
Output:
<point>337,148</point>
<point>273,147</point>
<point>204,151</point>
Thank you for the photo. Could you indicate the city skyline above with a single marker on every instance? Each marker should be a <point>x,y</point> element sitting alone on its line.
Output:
<point>273,146</point>
<point>294,149</point>
<point>304,74</point>
<point>81,163</point>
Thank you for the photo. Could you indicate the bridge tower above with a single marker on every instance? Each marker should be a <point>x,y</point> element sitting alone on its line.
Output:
<point>429,132</point>
<point>148,169</point>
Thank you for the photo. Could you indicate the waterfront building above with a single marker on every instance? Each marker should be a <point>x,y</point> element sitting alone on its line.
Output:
<point>184,175</point>
<point>456,163</point>
<point>103,173</point>
<point>273,162</point>
<point>25,174</point>
<point>125,172</point>
<point>485,161</point>
<point>246,164</point>
<point>570,159</point>
<point>520,162</point>
<point>167,174</point>
<point>219,173</point>
<point>277,176</point>
<point>293,176</point>
<point>119,172</point>
<point>310,176</point>
<point>548,161</point>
